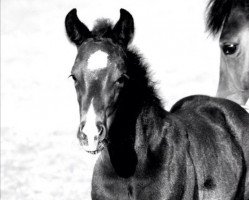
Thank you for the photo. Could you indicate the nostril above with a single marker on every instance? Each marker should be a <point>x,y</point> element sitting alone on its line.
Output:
<point>101,129</point>
<point>100,126</point>
<point>82,136</point>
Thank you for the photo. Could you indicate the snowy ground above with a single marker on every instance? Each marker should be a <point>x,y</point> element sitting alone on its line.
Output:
<point>40,155</point>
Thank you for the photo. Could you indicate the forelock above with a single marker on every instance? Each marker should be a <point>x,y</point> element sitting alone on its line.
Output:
<point>102,28</point>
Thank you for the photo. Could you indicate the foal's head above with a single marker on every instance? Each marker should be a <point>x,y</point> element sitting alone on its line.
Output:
<point>231,18</point>
<point>99,73</point>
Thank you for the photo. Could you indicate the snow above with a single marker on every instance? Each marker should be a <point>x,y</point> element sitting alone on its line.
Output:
<point>40,155</point>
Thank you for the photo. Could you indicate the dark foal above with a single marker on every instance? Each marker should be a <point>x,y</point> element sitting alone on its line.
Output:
<point>198,150</point>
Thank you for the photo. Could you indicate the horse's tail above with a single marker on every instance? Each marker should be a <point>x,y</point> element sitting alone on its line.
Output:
<point>218,12</point>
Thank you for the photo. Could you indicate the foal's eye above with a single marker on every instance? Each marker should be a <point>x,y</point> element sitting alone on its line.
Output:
<point>229,49</point>
<point>121,80</point>
<point>73,77</point>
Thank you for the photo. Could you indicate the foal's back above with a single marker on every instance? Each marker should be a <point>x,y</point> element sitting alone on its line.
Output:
<point>218,133</point>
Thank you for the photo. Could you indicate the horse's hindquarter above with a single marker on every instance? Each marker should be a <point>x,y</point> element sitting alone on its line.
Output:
<point>217,161</point>
<point>218,135</point>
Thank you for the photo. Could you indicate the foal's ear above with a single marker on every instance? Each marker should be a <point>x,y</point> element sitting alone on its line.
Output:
<point>124,28</point>
<point>77,32</point>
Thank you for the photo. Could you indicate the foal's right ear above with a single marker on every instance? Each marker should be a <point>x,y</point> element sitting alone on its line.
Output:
<point>77,32</point>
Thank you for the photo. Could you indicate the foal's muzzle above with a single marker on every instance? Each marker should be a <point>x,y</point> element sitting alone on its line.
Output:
<point>92,138</point>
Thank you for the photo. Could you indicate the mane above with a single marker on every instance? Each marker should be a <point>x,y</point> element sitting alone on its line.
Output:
<point>140,75</point>
<point>218,11</point>
<point>138,98</point>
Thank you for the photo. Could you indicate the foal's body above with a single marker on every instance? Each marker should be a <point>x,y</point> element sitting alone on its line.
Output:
<point>180,160</point>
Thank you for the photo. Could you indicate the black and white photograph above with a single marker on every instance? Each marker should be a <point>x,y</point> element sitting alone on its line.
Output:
<point>125,100</point>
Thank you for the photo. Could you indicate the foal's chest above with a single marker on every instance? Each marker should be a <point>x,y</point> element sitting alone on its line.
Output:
<point>143,188</point>
<point>110,186</point>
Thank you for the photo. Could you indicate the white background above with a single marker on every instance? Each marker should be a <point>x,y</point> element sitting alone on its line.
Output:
<point>40,155</point>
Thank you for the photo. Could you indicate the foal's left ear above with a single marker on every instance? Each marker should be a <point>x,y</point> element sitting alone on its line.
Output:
<point>77,32</point>
<point>124,28</point>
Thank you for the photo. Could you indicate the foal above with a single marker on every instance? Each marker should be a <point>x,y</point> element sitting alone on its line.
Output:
<point>198,150</point>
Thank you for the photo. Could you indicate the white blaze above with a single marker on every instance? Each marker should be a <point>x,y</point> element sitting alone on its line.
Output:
<point>97,60</point>
<point>91,131</point>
